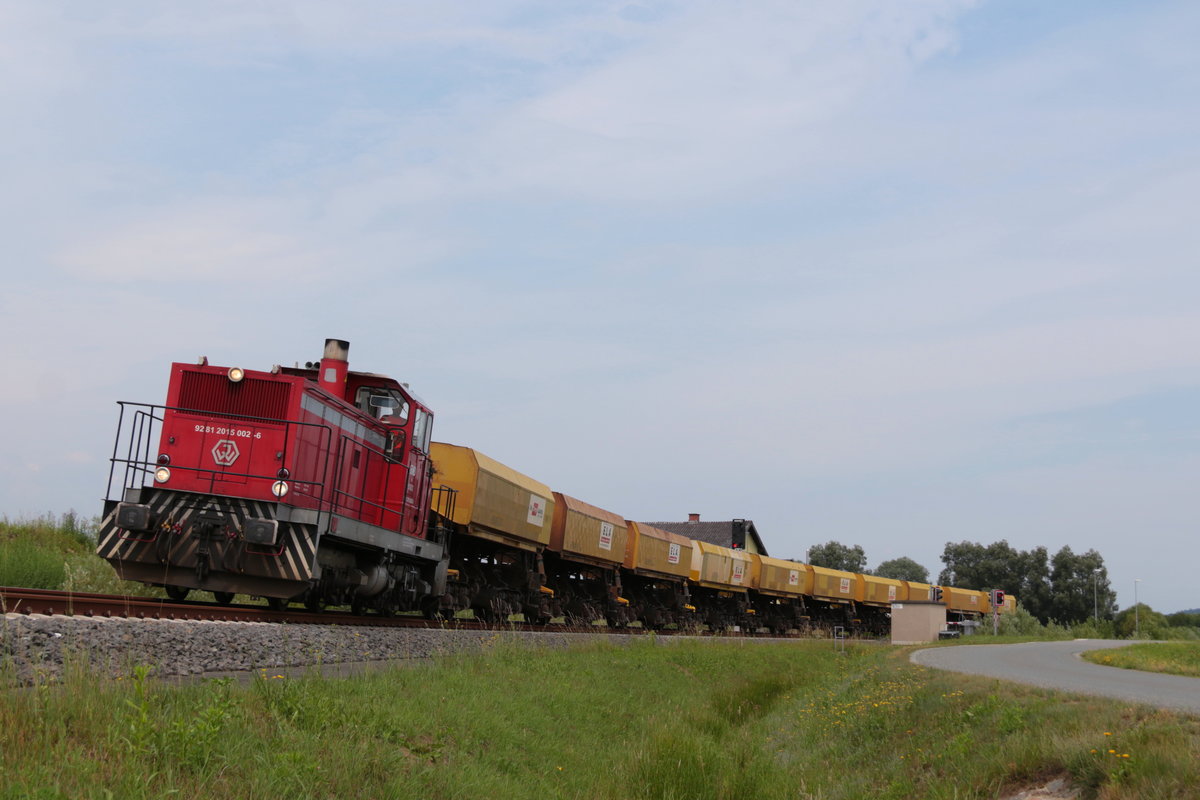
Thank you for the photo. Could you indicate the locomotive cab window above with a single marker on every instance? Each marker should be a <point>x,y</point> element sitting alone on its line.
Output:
<point>422,431</point>
<point>380,403</point>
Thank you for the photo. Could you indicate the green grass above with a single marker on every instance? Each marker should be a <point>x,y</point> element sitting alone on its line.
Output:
<point>683,720</point>
<point>35,554</point>
<point>1176,658</point>
<point>58,553</point>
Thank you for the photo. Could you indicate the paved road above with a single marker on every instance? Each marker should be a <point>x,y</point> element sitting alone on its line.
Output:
<point>1057,665</point>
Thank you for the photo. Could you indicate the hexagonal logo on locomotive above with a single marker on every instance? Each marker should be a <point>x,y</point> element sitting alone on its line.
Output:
<point>225,452</point>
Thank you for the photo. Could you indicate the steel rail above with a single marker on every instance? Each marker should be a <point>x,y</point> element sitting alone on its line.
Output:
<point>51,602</point>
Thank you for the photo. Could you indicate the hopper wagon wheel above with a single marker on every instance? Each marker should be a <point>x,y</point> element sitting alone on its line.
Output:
<point>358,606</point>
<point>314,603</point>
<point>224,598</point>
<point>485,614</point>
<point>177,592</point>
<point>431,608</point>
<point>277,603</point>
<point>535,617</point>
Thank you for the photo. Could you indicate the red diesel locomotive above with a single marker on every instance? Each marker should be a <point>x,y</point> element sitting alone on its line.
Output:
<point>303,483</point>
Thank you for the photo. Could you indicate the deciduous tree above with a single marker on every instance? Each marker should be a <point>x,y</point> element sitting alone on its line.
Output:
<point>1066,589</point>
<point>903,569</point>
<point>836,555</point>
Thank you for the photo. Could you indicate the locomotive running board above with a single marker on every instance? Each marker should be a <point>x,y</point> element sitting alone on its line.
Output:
<point>364,534</point>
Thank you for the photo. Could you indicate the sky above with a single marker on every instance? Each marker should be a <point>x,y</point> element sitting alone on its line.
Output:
<point>890,274</point>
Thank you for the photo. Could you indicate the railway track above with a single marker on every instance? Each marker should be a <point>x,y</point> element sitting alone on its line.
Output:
<point>15,600</point>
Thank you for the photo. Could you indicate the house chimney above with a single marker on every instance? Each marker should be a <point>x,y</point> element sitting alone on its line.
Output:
<point>693,517</point>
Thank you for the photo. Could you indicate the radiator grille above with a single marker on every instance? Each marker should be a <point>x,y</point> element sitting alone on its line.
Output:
<point>216,394</point>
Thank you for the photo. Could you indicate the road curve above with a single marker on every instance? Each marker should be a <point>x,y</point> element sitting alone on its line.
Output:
<point>1057,665</point>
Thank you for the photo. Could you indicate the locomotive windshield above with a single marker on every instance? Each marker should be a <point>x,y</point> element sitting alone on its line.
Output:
<point>380,402</point>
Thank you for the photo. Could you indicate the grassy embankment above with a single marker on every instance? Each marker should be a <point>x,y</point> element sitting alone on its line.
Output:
<point>688,720</point>
<point>1176,658</point>
<point>51,553</point>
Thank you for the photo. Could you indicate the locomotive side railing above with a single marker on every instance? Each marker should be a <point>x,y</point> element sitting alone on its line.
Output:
<point>444,500</point>
<point>375,459</point>
<point>139,429</point>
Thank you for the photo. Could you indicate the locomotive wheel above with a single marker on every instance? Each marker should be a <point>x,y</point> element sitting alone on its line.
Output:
<point>177,592</point>
<point>484,614</point>
<point>224,598</point>
<point>358,606</point>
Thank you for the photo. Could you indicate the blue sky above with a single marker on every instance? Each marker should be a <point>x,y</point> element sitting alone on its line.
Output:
<point>894,274</point>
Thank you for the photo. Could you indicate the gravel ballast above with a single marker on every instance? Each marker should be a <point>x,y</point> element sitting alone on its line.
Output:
<point>40,647</point>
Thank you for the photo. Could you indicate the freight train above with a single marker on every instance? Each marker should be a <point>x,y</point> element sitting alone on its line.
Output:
<point>320,485</point>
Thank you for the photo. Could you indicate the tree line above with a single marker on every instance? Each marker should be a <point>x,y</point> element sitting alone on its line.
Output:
<point>1067,587</point>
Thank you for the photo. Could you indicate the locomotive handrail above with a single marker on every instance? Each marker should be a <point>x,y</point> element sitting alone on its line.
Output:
<point>344,499</point>
<point>143,431</point>
<point>140,432</point>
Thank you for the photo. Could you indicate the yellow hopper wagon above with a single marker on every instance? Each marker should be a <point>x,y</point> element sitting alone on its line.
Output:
<point>501,521</point>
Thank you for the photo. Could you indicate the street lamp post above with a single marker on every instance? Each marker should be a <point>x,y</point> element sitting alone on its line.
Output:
<point>1095,594</point>
<point>1137,623</point>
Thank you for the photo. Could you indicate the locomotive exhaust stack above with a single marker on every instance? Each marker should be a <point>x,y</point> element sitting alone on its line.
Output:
<point>334,366</point>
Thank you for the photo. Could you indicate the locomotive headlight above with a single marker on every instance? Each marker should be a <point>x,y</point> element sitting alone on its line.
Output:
<point>279,488</point>
<point>162,475</point>
<point>236,374</point>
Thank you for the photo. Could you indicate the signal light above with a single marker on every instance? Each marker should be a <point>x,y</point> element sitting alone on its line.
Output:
<point>936,593</point>
<point>998,597</point>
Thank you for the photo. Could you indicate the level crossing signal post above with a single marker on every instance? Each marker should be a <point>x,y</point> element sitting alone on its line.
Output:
<point>997,602</point>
